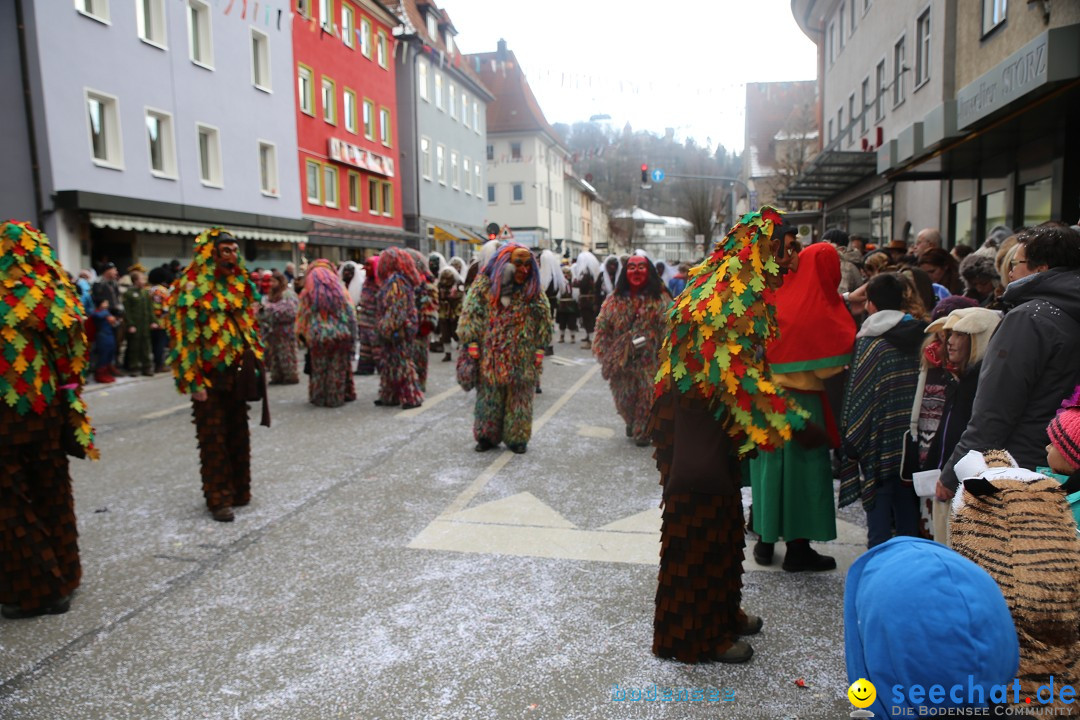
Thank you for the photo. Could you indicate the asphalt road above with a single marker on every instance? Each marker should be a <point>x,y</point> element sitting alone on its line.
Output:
<point>385,570</point>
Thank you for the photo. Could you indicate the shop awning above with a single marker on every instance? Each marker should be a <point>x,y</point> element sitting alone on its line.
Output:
<point>829,174</point>
<point>453,233</point>
<point>179,227</point>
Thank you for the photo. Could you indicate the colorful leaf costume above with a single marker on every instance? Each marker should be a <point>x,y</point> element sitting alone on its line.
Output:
<point>42,419</point>
<point>327,322</point>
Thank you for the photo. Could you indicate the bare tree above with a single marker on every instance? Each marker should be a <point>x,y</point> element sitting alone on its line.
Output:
<point>793,148</point>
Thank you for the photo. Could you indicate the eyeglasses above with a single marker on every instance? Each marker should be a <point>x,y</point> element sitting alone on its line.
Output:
<point>1014,262</point>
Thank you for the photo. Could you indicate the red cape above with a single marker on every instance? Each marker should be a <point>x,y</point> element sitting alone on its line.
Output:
<point>815,329</point>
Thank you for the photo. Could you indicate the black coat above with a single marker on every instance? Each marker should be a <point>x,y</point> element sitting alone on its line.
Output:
<point>955,416</point>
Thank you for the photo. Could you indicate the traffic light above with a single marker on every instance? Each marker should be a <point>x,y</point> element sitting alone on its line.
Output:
<point>493,231</point>
<point>644,173</point>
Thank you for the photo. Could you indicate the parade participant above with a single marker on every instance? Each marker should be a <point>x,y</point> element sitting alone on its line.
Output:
<point>435,263</point>
<point>612,267</point>
<point>396,326</point>
<point>451,289</point>
<point>43,419</point>
<point>367,355</point>
<point>159,296</point>
<point>326,320</point>
<point>427,316</point>
<point>587,279</point>
<point>216,357</point>
<point>793,486</point>
<point>480,261</point>
<point>138,317</point>
<point>506,324</point>
<point>352,277</point>
<point>629,330</point>
<point>277,324</point>
<point>715,405</point>
<point>263,280</point>
<point>566,308</point>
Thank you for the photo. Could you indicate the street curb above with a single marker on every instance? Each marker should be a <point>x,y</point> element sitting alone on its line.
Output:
<point>122,382</point>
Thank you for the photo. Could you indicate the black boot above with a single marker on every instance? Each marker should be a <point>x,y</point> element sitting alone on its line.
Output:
<point>763,553</point>
<point>801,557</point>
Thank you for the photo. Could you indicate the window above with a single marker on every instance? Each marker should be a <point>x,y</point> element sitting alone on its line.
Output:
<point>993,14</point>
<point>839,122</point>
<point>354,191</point>
<point>326,14</point>
<point>385,135</point>
<point>490,152</point>
<point>304,8</point>
<point>387,199</point>
<point>455,171</point>
<point>330,186</point>
<point>438,90</point>
<point>852,17</point>
<point>422,79</point>
<point>305,82</point>
<point>879,92</point>
<point>365,37</point>
<point>348,25</point>
<point>268,175</point>
<point>515,150</point>
<point>432,25</point>
<point>380,49</point>
<point>369,119</point>
<point>464,108</point>
<point>329,100</point>
<point>260,60</point>
<point>517,192</point>
<point>104,116</point>
<point>97,9</point>
<point>491,194</point>
<point>476,178</point>
<point>151,18</point>
<point>159,136</point>
<point>451,100</point>
<point>209,156</point>
<point>898,93</point>
<point>865,100</point>
<point>466,172</point>
<point>448,39</point>
<point>840,25</point>
<point>425,158</point>
<point>476,116</point>
<point>200,43</point>
<point>830,130</point>
<point>851,118</point>
<point>830,43</point>
<point>440,163</point>
<point>1037,199</point>
<point>374,196</point>
<point>922,48</point>
<point>349,109</point>
<point>314,182</point>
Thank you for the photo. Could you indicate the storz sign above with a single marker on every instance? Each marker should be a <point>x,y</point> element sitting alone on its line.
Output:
<point>1048,58</point>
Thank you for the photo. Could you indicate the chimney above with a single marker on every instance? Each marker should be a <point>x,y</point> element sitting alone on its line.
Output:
<point>501,52</point>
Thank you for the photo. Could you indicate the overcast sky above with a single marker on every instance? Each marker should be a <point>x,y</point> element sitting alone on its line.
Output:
<point>681,64</point>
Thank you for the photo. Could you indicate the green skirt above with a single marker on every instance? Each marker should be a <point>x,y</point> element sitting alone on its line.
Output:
<point>793,487</point>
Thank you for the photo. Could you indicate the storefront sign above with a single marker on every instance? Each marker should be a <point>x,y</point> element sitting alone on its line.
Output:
<point>1050,57</point>
<point>350,154</point>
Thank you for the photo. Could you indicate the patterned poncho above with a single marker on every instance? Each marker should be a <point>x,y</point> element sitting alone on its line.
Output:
<point>210,318</point>
<point>43,345</point>
<point>720,325</point>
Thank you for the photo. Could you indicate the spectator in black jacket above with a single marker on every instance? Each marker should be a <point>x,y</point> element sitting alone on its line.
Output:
<point>1031,362</point>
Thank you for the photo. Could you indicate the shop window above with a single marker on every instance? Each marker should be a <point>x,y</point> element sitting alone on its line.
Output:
<point>1037,199</point>
<point>994,210</point>
<point>961,229</point>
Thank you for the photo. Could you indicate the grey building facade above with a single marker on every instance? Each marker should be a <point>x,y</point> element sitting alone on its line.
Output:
<point>150,121</point>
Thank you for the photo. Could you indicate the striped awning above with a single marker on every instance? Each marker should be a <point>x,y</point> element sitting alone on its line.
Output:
<point>179,227</point>
<point>453,233</point>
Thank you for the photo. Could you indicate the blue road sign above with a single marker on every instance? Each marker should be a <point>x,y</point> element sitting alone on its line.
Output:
<point>657,175</point>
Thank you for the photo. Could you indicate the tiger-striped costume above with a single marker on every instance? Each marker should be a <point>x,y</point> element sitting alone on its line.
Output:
<point>1017,525</point>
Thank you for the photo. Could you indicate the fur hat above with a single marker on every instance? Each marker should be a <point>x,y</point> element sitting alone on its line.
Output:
<point>1064,432</point>
<point>978,322</point>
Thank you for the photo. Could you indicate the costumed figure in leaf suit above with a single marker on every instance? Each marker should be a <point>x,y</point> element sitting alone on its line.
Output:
<point>396,326</point>
<point>43,360</point>
<point>327,322</point>
<point>587,280</point>
<point>630,328</point>
<point>716,404</point>
<point>506,324</point>
<point>367,361</point>
<point>216,357</point>
<point>427,316</point>
<point>793,486</point>
<point>277,323</point>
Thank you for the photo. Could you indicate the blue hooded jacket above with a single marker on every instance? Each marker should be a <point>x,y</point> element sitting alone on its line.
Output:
<point>918,613</point>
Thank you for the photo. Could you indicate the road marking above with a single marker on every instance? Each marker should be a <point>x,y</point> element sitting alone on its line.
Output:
<point>595,431</point>
<point>430,402</point>
<point>563,361</point>
<point>163,413</point>
<point>466,496</point>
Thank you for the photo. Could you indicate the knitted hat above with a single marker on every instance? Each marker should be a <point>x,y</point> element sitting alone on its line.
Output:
<point>1064,432</point>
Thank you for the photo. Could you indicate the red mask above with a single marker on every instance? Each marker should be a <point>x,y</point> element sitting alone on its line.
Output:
<point>637,272</point>
<point>522,262</point>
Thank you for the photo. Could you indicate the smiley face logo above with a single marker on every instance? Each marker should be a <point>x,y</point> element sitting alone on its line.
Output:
<point>862,693</point>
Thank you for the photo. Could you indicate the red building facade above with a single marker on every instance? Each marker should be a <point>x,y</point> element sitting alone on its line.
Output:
<point>346,105</point>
